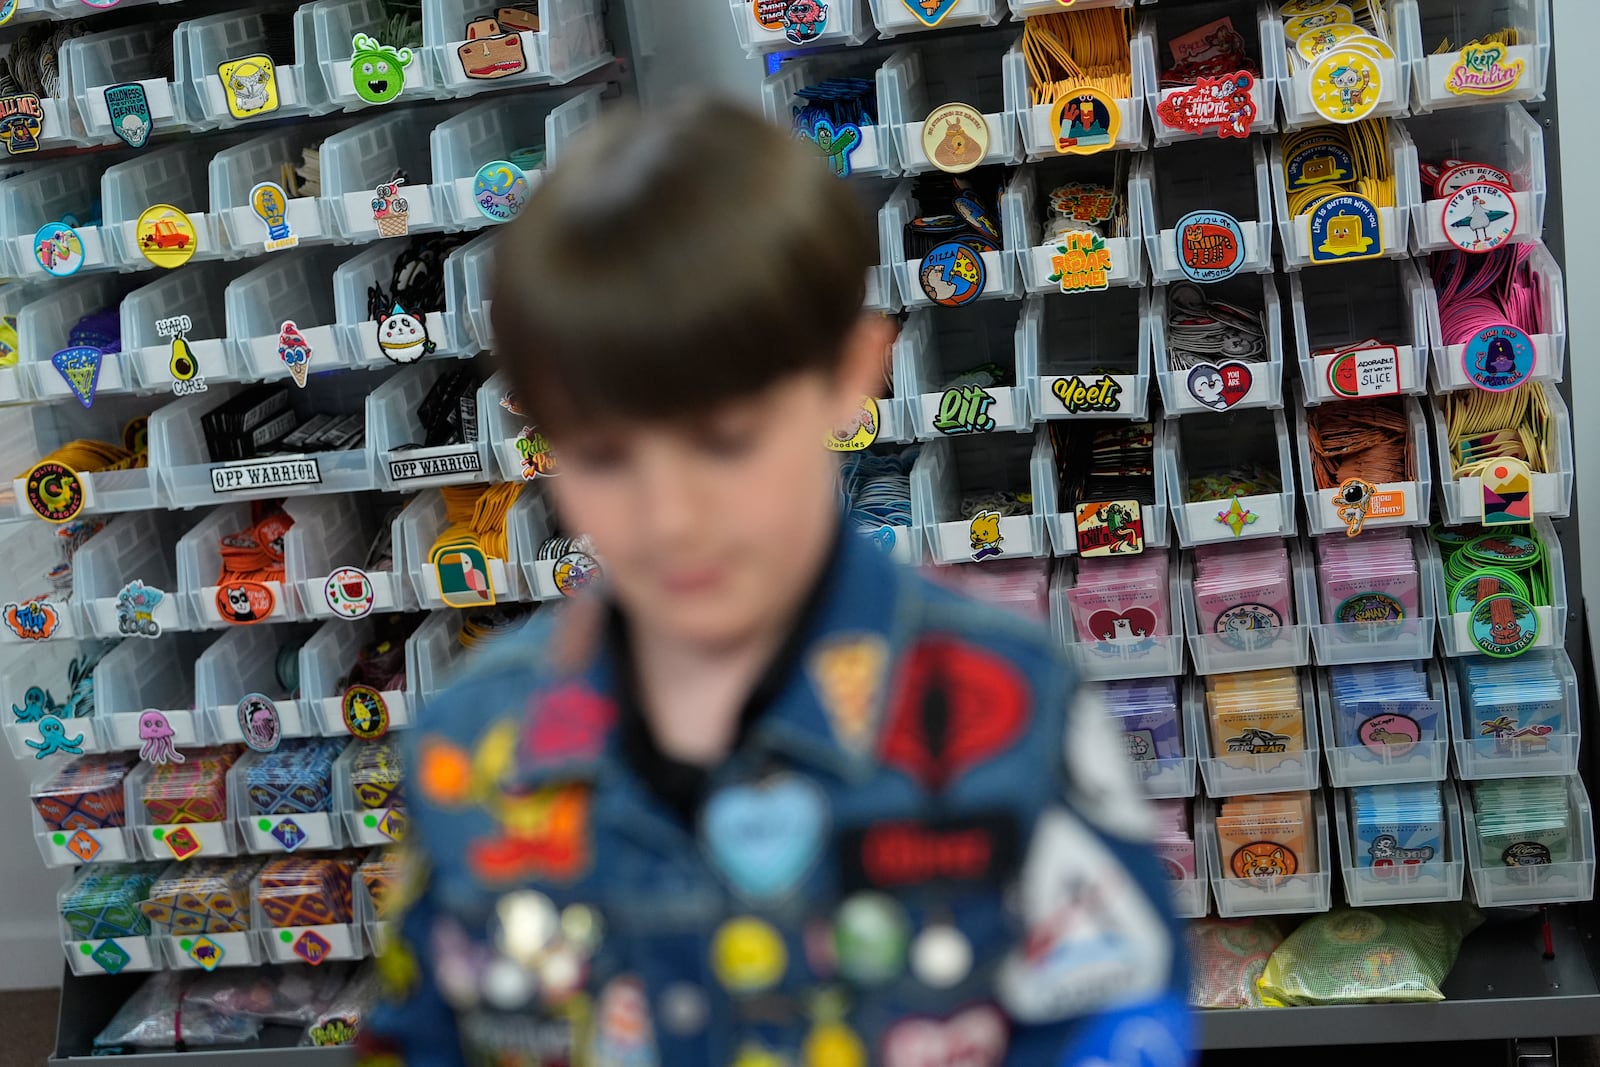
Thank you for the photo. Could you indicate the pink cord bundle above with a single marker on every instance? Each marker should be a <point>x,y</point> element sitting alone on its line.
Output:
<point>1478,292</point>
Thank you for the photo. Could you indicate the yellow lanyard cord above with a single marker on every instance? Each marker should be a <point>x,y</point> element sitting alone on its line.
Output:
<point>1071,48</point>
<point>1486,427</point>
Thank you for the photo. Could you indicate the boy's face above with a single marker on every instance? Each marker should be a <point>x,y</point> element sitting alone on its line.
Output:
<point>707,528</point>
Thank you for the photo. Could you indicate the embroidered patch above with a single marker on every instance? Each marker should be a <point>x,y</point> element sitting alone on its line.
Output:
<point>545,834</point>
<point>765,837</point>
<point>568,724</point>
<point>960,850</point>
<point>956,706</point>
<point>847,673</point>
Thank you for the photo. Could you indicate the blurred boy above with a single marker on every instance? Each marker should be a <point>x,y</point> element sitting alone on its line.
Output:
<point>766,798</point>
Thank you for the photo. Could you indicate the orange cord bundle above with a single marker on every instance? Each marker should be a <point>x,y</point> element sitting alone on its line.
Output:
<point>1365,439</point>
<point>255,554</point>
<point>1069,49</point>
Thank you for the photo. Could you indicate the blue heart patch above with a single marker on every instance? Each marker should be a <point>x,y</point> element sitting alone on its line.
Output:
<point>930,12</point>
<point>883,537</point>
<point>764,838</point>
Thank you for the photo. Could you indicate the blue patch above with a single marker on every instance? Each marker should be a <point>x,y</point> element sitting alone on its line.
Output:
<point>1346,228</point>
<point>930,12</point>
<point>129,108</point>
<point>1499,358</point>
<point>289,835</point>
<point>765,837</point>
<point>1157,1033</point>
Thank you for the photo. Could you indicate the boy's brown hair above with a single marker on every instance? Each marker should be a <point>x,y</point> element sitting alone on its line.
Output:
<point>674,260</point>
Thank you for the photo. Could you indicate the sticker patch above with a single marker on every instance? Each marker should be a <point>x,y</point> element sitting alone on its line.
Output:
<point>295,352</point>
<point>1356,501</point>
<point>270,203</point>
<point>393,825</point>
<point>1346,228</point>
<point>1482,70</point>
<point>858,434</point>
<point>1507,493</point>
<point>80,367</point>
<point>136,607</point>
<point>1480,217</point>
<point>54,492</point>
<point>129,108</point>
<point>1085,121</point>
<point>1211,246</point>
<point>953,274</point>
<point>366,713</point>
<point>1078,396</point>
<point>158,740</point>
<point>1109,528</point>
<point>182,843</point>
<point>33,620</point>
<point>500,189</point>
<point>538,458</point>
<point>986,536</point>
<point>1346,85</point>
<point>58,249</point>
<point>1390,735</point>
<point>259,724</point>
<point>250,85</point>
<point>1225,106</point>
<point>847,673</point>
<point>1220,386</point>
<point>955,138</point>
<point>1082,263</point>
<point>348,593</point>
<point>574,571</point>
<point>206,953</point>
<point>377,70</point>
<point>245,603</point>
<point>312,947</point>
<point>1365,372</point>
<point>84,845</point>
<point>1499,358</point>
<point>21,123</point>
<point>490,52</point>
<point>765,837</point>
<point>166,236</point>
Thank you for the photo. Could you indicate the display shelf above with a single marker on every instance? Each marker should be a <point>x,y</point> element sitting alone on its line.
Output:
<point>1041,259</point>
<point>288,287</point>
<point>236,170</point>
<point>894,211</point>
<point>200,567</point>
<point>1225,647</point>
<point>325,663</point>
<point>1189,182</point>
<point>1388,763</point>
<point>1203,522</point>
<point>313,831</point>
<point>570,41</point>
<point>948,468</point>
<point>1506,138</point>
<point>360,335</point>
<point>244,662</point>
<point>395,436</point>
<point>848,24</point>
<point>950,69</point>
<point>1453,79</point>
<point>132,548</point>
<point>1001,276</point>
<point>1393,504</point>
<point>1308,891</point>
<point>1450,361</point>
<point>215,839</point>
<point>99,956</point>
<point>1363,331</point>
<point>359,161</point>
<point>1244,772</point>
<point>937,352</point>
<point>1391,75</point>
<point>135,677</point>
<point>1492,749</point>
<point>896,17</point>
<point>1551,492</point>
<point>42,429</point>
<point>1368,885</point>
<point>81,847</point>
<point>1497,883</point>
<point>151,313</point>
<point>1088,359</point>
<point>337,535</point>
<point>1194,391</point>
<point>1040,124</point>
<point>66,190</point>
<point>1394,221</point>
<point>1155,657</point>
<point>1152,53</point>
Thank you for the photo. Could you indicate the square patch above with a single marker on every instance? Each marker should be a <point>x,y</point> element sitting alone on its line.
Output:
<point>393,825</point>
<point>84,845</point>
<point>111,957</point>
<point>182,842</point>
<point>312,947</point>
<point>289,835</point>
<point>206,953</point>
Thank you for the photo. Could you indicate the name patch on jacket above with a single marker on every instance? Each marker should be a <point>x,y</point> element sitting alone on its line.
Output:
<point>895,854</point>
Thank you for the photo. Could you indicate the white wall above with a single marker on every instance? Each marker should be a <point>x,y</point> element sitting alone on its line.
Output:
<point>30,939</point>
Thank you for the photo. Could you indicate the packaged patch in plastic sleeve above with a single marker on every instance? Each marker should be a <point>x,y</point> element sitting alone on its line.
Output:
<point>1227,958</point>
<point>85,794</point>
<point>292,996</point>
<point>376,776</point>
<point>159,1016</point>
<point>194,791</point>
<point>341,1021</point>
<point>294,780</point>
<point>201,897</point>
<point>378,873</point>
<point>107,903</point>
<point>1369,956</point>
<point>305,891</point>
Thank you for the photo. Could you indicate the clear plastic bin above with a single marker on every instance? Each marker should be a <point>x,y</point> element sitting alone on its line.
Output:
<point>1062,523</point>
<point>1413,507</point>
<point>45,666</point>
<point>875,153</point>
<point>242,662</point>
<point>65,190</point>
<point>1217,652</point>
<point>1367,886</point>
<point>335,24</point>
<point>1393,75</point>
<point>1038,121</point>
<point>1507,138</point>
<point>571,40</point>
<point>213,40</point>
<point>237,948</point>
<point>178,450</point>
<point>493,130</point>
<point>1204,176</point>
<point>44,327</point>
<point>173,175</point>
<point>366,827</point>
<point>1191,897</point>
<point>1518,74</point>
<point>101,847</point>
<point>945,468</point>
<point>1152,52</point>
<point>1309,891</point>
<point>1378,642</point>
<point>894,209</point>
<point>40,10</point>
<point>1456,627</point>
<point>316,944</point>
<point>1156,657</point>
<point>1022,217</point>
<point>31,551</point>
<point>236,170</point>
<point>393,428</point>
<point>847,24</point>
<point>288,287</point>
<point>433,654</point>
<point>357,332</point>
<point>1498,886</point>
<point>366,910</point>
<point>943,70</point>
<point>120,57</point>
<point>532,523</point>
<point>477,262</point>
<point>358,160</point>
<point>1088,359</point>
<point>420,525</point>
<point>131,548</point>
<point>1552,492</point>
<point>114,955</point>
<point>1549,347</point>
<point>1204,522</point>
<point>1381,301</point>
<point>318,831</point>
<point>936,347</point>
<point>1353,765</point>
<point>196,292</point>
<point>1169,779</point>
<point>894,17</point>
<point>16,381</point>
<point>334,533</point>
<point>216,839</point>
<point>1000,265</point>
<point>137,676</point>
<point>501,430</point>
<point>44,428</point>
<point>1266,378</point>
<point>60,127</point>
<point>325,661</point>
<point>1480,754</point>
<point>1394,223</point>
<point>200,564</point>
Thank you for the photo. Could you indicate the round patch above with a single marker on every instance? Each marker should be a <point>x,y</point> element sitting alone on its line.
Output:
<point>1480,217</point>
<point>1391,735</point>
<point>1243,625</point>
<point>1345,85</point>
<point>500,190</point>
<point>1462,175</point>
<point>258,722</point>
<point>683,1009</point>
<point>860,432</point>
<point>366,715</point>
<point>955,137</point>
<point>244,603</point>
<point>574,571</point>
<point>768,13</point>
<point>1499,358</point>
<point>1293,9</point>
<point>1516,550</point>
<point>1333,15</point>
<point>1210,246</point>
<point>54,492</point>
<point>804,20</point>
<point>1526,854</point>
<point>1467,591</point>
<point>871,933</point>
<point>1503,626</point>
<point>953,274</point>
<point>1369,607</point>
<point>58,249</point>
<point>1346,227</point>
<point>524,926</point>
<point>1452,535</point>
<point>348,593</point>
<point>8,9</point>
<point>1319,42</point>
<point>1263,859</point>
<point>941,956</point>
<point>748,955</point>
<point>1085,121</point>
<point>166,236</point>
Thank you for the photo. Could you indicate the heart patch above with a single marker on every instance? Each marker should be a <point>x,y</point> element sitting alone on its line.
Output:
<point>764,838</point>
<point>1220,386</point>
<point>1132,625</point>
<point>975,1037</point>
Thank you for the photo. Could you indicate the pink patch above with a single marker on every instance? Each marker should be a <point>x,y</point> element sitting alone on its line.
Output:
<point>567,724</point>
<point>975,1037</point>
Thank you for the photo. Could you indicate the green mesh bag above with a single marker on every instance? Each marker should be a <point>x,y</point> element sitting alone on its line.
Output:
<point>1368,955</point>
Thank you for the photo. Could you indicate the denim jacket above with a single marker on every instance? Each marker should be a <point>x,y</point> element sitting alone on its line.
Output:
<point>926,853</point>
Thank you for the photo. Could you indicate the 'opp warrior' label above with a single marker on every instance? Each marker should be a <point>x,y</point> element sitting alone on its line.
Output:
<point>264,474</point>
<point>464,462</point>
